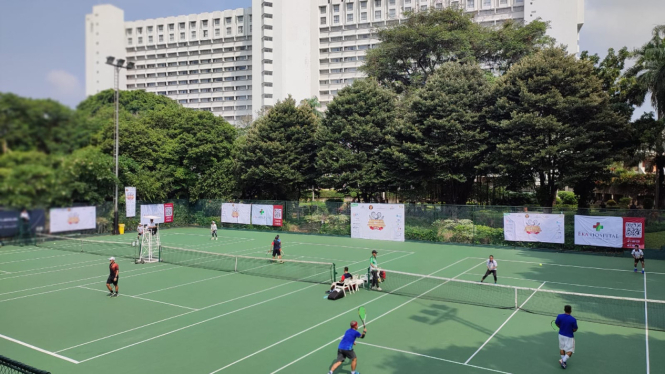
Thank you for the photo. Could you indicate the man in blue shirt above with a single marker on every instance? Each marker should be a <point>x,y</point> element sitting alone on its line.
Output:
<point>345,348</point>
<point>567,325</point>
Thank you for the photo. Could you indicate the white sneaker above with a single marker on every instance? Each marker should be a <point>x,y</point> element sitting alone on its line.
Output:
<point>379,289</point>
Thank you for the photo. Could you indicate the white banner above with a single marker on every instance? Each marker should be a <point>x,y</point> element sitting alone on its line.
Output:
<point>152,210</point>
<point>237,213</point>
<point>262,215</point>
<point>599,231</point>
<point>130,201</point>
<point>531,227</point>
<point>72,219</point>
<point>377,221</point>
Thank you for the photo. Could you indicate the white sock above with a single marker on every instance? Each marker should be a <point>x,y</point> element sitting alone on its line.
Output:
<point>562,356</point>
<point>565,358</point>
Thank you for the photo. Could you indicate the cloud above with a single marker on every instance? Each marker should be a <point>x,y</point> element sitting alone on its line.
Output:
<point>63,83</point>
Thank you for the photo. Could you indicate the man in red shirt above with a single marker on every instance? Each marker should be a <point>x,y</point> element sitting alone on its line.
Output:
<point>114,273</point>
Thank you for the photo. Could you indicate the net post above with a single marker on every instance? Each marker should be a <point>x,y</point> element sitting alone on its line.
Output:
<point>333,273</point>
<point>516,305</point>
<point>235,268</point>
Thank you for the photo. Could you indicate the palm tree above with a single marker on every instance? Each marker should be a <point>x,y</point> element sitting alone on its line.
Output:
<point>649,70</point>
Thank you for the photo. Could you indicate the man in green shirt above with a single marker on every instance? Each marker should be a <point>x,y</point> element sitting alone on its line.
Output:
<point>374,269</point>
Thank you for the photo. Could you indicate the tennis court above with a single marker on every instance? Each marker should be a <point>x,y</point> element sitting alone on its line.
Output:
<point>170,318</point>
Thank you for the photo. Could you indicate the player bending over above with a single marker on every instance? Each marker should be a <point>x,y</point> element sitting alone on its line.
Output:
<point>567,325</point>
<point>638,255</point>
<point>276,247</point>
<point>491,269</point>
<point>345,348</point>
<point>213,231</point>
<point>114,273</point>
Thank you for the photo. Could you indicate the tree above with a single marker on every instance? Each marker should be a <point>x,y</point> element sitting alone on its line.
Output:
<point>554,122</point>
<point>442,137</point>
<point>31,179</point>
<point>412,50</point>
<point>352,138</point>
<point>276,158</point>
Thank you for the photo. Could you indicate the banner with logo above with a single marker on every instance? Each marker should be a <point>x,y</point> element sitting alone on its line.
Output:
<point>130,201</point>
<point>262,215</point>
<point>10,222</point>
<point>599,231</point>
<point>377,221</point>
<point>73,219</point>
<point>237,213</point>
<point>277,211</point>
<point>633,232</point>
<point>156,211</point>
<point>531,227</point>
<point>168,212</point>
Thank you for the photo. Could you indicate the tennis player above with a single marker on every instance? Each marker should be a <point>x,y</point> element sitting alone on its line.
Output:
<point>213,231</point>
<point>374,269</point>
<point>346,275</point>
<point>114,273</point>
<point>139,233</point>
<point>638,255</point>
<point>345,348</point>
<point>276,247</point>
<point>491,269</point>
<point>567,325</point>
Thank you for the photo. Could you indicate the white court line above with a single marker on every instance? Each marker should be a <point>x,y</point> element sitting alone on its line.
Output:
<point>503,324</point>
<point>568,284</point>
<point>345,246</point>
<point>336,339</point>
<point>570,266</point>
<point>646,322</point>
<point>56,266</point>
<point>50,271</point>
<point>41,258</point>
<point>6,272</point>
<point>432,357</point>
<point>39,349</point>
<point>207,236</point>
<point>209,306</point>
<point>142,298</point>
<point>16,251</point>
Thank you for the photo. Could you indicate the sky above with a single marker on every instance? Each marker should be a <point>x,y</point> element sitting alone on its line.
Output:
<point>42,42</point>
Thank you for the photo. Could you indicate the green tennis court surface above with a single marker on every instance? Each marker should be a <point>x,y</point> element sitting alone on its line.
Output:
<point>55,315</point>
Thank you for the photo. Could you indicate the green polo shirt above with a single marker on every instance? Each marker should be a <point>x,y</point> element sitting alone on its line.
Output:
<point>373,264</point>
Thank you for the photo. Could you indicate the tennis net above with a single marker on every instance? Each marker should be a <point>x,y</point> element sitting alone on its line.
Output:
<point>620,311</point>
<point>96,247</point>
<point>8,366</point>
<point>305,271</point>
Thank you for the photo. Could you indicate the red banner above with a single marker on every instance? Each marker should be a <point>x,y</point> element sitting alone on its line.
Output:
<point>168,212</point>
<point>633,232</point>
<point>277,215</point>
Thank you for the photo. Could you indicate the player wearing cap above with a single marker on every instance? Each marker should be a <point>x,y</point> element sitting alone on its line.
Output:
<point>491,269</point>
<point>213,231</point>
<point>638,255</point>
<point>567,325</point>
<point>114,273</point>
<point>374,269</point>
<point>345,348</point>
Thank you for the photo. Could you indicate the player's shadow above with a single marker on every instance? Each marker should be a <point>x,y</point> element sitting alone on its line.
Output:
<point>434,314</point>
<point>344,368</point>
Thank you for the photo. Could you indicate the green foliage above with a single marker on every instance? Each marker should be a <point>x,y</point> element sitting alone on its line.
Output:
<point>420,234</point>
<point>624,202</point>
<point>568,198</point>
<point>611,203</point>
<point>276,159</point>
<point>649,69</point>
<point>648,204</point>
<point>352,138</point>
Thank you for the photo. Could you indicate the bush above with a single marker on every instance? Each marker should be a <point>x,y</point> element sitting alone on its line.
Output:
<point>487,235</point>
<point>568,198</point>
<point>421,234</point>
<point>451,230</point>
<point>624,202</point>
<point>328,194</point>
<point>648,203</point>
<point>611,203</point>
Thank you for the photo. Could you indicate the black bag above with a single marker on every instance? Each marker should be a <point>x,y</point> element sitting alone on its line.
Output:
<point>335,294</point>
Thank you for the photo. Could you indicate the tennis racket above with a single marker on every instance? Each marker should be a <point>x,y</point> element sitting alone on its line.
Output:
<point>554,326</point>
<point>362,314</point>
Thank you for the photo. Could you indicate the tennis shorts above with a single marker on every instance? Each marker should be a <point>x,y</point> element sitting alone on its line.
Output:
<point>343,354</point>
<point>641,259</point>
<point>566,344</point>
<point>111,281</point>
<point>276,252</point>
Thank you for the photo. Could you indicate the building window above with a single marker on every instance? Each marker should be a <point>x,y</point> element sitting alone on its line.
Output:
<point>336,8</point>
<point>205,33</point>
<point>349,7</point>
<point>323,20</point>
<point>171,26</point>
<point>423,8</point>
<point>128,31</point>
<point>140,40</point>
<point>377,3</point>
<point>407,9</point>
<point>322,9</point>
<point>470,4</point>
<point>192,24</point>
<point>171,37</point>
<point>204,23</point>
<point>363,5</point>
<point>503,2</point>
<point>391,2</point>
<point>216,21</point>
<point>182,36</point>
<point>377,15</point>
<point>139,30</point>
<point>335,19</point>
<point>392,13</point>
<point>217,33</point>
<point>161,38</point>
<point>349,17</point>
<point>228,31</point>
<point>239,29</point>
<point>440,5</point>
<point>363,16</point>
<point>241,19</point>
<point>193,34</point>
<point>487,4</point>
<point>149,30</point>
<point>160,28</point>
<point>228,20</point>
<point>181,25</point>
<point>129,41</point>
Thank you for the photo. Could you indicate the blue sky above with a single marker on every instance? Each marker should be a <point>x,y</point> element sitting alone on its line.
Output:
<point>42,41</point>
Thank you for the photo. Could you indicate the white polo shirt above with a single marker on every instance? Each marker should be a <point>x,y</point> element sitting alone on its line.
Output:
<point>637,253</point>
<point>491,264</point>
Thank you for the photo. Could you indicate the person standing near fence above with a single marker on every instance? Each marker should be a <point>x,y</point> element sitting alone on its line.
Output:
<point>374,269</point>
<point>24,226</point>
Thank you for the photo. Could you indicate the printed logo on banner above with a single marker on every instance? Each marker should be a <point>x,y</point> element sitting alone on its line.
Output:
<point>532,226</point>
<point>73,217</point>
<point>376,221</point>
<point>598,226</point>
<point>234,213</point>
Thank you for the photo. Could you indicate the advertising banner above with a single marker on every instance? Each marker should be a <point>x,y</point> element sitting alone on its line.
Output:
<point>237,213</point>
<point>73,219</point>
<point>130,201</point>
<point>168,212</point>
<point>262,215</point>
<point>277,211</point>
<point>10,222</point>
<point>532,227</point>
<point>633,232</point>
<point>377,221</point>
<point>599,231</point>
<point>152,210</point>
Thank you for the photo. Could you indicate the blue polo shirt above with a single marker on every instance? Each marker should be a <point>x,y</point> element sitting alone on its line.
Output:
<point>349,338</point>
<point>567,324</point>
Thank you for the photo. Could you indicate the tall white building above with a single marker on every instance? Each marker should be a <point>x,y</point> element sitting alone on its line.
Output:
<point>235,62</point>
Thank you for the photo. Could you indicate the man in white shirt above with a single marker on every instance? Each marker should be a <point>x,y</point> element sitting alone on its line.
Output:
<point>491,269</point>
<point>638,255</point>
<point>213,231</point>
<point>139,234</point>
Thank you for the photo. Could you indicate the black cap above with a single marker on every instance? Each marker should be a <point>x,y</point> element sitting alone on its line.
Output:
<point>374,251</point>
